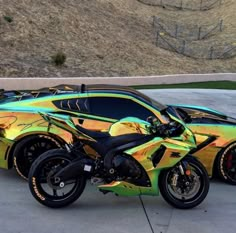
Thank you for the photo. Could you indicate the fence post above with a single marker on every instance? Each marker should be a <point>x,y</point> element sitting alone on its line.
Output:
<point>157,39</point>
<point>211,52</point>
<point>183,47</point>
<point>199,33</point>
<point>200,5</point>
<point>161,3</point>
<point>176,30</point>
<point>221,25</point>
<point>181,5</point>
<point>154,21</point>
<point>157,23</point>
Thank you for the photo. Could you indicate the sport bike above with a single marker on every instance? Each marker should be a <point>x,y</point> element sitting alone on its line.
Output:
<point>147,159</point>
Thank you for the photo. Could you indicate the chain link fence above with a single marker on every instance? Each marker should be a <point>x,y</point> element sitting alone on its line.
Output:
<point>189,32</point>
<point>195,5</point>
<point>194,49</point>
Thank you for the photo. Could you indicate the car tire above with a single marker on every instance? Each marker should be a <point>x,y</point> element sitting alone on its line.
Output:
<point>226,164</point>
<point>29,149</point>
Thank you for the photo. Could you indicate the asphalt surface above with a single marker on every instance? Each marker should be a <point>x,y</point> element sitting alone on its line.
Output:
<point>95,212</point>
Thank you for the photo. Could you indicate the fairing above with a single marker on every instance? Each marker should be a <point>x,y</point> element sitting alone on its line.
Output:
<point>143,154</point>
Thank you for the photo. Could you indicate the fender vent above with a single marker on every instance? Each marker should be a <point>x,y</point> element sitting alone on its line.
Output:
<point>157,156</point>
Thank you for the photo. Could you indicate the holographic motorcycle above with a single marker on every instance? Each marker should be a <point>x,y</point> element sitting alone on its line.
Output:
<point>148,158</point>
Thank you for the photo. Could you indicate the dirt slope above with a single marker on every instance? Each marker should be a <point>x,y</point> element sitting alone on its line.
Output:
<point>99,38</point>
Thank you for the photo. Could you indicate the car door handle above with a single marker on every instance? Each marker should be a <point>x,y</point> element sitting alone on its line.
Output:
<point>81,121</point>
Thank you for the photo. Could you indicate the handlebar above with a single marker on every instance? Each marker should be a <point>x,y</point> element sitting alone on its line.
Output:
<point>166,130</point>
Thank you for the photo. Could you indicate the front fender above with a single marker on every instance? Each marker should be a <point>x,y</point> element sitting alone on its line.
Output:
<point>190,157</point>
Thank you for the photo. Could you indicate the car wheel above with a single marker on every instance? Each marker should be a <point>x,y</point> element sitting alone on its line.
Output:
<point>29,149</point>
<point>226,164</point>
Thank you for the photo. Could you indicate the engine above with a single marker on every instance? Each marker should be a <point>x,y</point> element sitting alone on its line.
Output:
<point>126,167</point>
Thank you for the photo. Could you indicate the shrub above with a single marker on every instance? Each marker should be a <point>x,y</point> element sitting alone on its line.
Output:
<point>59,58</point>
<point>9,19</point>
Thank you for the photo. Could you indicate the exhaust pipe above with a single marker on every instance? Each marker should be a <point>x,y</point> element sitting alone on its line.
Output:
<point>75,169</point>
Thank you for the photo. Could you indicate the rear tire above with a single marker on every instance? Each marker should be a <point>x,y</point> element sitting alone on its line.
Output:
<point>184,196</point>
<point>42,185</point>
<point>29,149</point>
<point>226,164</point>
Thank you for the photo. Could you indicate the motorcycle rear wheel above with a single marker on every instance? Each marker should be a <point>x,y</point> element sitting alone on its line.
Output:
<point>45,188</point>
<point>187,191</point>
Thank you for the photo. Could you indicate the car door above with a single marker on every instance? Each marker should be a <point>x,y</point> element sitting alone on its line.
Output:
<point>111,108</point>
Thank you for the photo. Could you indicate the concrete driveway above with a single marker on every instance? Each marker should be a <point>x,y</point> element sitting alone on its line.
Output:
<point>221,100</point>
<point>95,212</point>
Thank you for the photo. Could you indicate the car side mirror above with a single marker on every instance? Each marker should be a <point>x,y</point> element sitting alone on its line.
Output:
<point>153,120</point>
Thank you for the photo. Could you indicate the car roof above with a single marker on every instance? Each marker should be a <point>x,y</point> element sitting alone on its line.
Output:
<point>95,87</point>
<point>70,89</point>
<point>117,89</point>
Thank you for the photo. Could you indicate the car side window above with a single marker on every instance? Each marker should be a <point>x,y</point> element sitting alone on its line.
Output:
<point>75,104</point>
<point>117,108</point>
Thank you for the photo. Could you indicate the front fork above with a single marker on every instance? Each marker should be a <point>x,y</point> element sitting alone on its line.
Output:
<point>182,166</point>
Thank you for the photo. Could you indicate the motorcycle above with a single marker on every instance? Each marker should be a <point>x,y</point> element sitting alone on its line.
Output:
<point>154,158</point>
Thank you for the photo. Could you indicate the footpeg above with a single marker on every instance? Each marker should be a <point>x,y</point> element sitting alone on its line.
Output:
<point>104,191</point>
<point>96,180</point>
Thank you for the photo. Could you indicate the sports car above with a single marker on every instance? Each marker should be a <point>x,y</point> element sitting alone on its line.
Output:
<point>24,134</point>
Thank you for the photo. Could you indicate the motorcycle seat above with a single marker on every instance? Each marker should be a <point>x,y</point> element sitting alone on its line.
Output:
<point>93,134</point>
<point>105,142</point>
<point>103,145</point>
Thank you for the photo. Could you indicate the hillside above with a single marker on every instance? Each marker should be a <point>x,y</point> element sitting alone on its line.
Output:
<point>100,38</point>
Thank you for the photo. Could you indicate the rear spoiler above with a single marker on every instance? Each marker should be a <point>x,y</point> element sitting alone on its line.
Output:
<point>6,94</point>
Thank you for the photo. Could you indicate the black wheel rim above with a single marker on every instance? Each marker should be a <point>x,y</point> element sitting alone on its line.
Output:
<point>229,164</point>
<point>46,184</point>
<point>195,190</point>
<point>32,151</point>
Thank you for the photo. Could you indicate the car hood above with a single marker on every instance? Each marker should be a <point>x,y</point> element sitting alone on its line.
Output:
<point>201,114</point>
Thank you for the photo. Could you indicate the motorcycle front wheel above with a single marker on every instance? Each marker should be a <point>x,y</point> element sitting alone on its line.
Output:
<point>184,191</point>
<point>46,188</point>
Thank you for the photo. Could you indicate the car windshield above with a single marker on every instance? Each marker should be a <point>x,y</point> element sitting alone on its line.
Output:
<point>158,105</point>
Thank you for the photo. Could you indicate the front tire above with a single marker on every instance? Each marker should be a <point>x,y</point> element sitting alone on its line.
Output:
<point>43,186</point>
<point>226,164</point>
<point>185,191</point>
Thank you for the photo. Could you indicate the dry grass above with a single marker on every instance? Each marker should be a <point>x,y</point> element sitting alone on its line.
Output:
<point>100,38</point>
